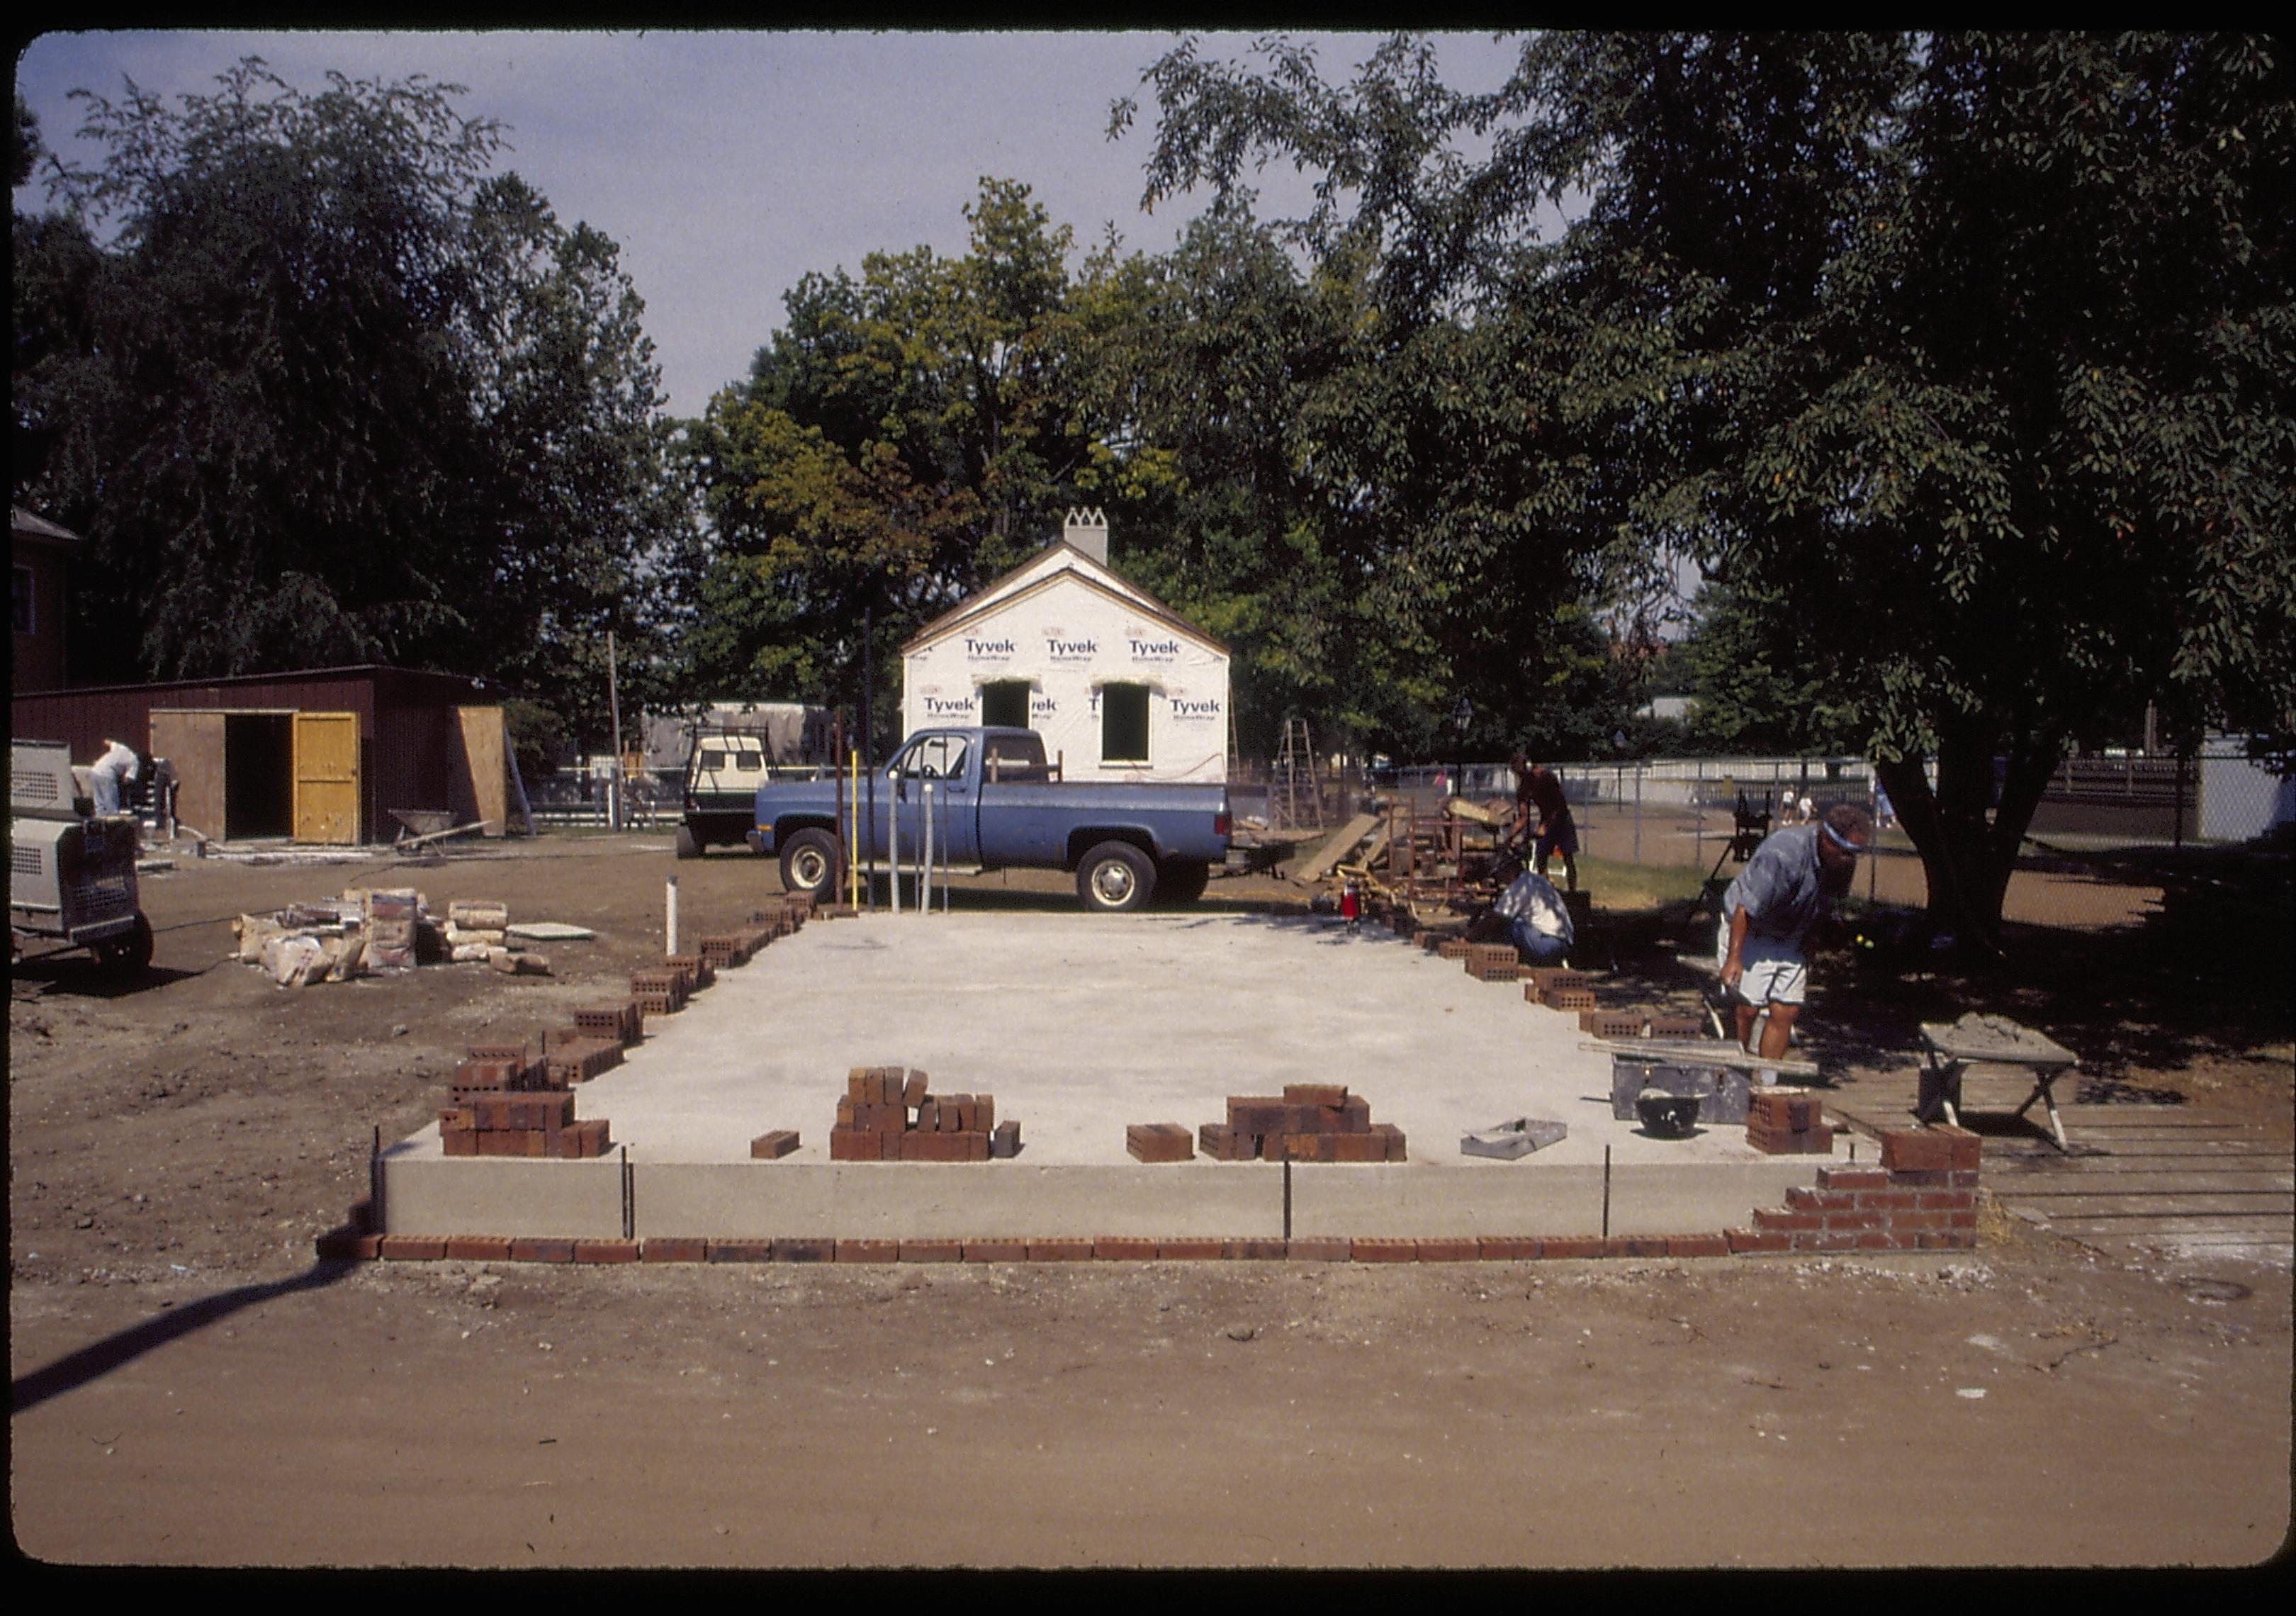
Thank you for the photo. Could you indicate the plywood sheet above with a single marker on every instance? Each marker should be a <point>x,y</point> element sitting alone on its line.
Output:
<point>486,765</point>
<point>192,741</point>
<point>327,778</point>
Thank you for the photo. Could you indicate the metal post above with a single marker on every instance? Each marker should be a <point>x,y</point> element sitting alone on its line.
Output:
<point>1638,813</point>
<point>893,852</point>
<point>629,1201</point>
<point>869,736</point>
<point>924,858</point>
<point>614,721</point>
<point>669,921</point>
<point>1287,1198</point>
<point>1606,1191</point>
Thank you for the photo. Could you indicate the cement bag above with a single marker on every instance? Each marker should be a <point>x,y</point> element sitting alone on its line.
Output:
<point>295,961</point>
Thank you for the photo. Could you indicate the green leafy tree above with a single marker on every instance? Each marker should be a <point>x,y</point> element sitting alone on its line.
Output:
<point>1965,356</point>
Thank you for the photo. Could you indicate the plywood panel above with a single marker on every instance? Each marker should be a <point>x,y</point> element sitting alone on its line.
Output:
<point>486,762</point>
<point>192,741</point>
<point>327,777</point>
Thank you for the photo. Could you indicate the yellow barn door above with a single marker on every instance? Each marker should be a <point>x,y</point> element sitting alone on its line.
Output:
<point>327,777</point>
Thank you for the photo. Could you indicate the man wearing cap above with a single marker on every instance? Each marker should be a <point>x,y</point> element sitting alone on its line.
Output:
<point>1770,911</point>
<point>1539,802</point>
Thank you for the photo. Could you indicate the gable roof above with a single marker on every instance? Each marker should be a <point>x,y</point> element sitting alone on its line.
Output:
<point>1057,561</point>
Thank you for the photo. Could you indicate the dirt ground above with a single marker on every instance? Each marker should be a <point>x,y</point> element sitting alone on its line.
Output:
<point>188,1387</point>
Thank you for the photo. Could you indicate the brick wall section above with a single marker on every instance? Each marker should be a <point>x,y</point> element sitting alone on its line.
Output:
<point>1922,1197</point>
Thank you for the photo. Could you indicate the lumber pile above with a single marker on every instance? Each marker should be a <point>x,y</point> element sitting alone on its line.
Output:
<point>889,1114</point>
<point>1309,1123</point>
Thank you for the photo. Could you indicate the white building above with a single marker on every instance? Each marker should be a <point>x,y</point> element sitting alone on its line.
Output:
<point>1119,685</point>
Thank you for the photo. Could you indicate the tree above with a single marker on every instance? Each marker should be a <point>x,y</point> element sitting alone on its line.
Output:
<point>1938,344</point>
<point>317,389</point>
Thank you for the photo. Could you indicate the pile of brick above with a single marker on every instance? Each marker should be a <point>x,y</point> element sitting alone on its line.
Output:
<point>661,992</point>
<point>503,1104</point>
<point>1310,1122</point>
<point>1160,1142</point>
<point>389,919</point>
<point>1922,1198</point>
<point>889,1114</point>
<point>570,1055</point>
<point>1557,988</point>
<point>1638,1022</point>
<point>1787,1122</point>
<point>623,1023</point>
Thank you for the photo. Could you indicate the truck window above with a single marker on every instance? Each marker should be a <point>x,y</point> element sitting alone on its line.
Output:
<point>712,762</point>
<point>749,762</point>
<point>935,757</point>
<point>1124,724</point>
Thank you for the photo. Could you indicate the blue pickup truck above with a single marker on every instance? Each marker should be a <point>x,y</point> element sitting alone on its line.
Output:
<point>996,804</point>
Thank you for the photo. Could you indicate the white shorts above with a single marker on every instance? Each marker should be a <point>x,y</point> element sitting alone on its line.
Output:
<point>1772,974</point>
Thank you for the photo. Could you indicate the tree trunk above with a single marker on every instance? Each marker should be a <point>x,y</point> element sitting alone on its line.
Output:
<point>1968,842</point>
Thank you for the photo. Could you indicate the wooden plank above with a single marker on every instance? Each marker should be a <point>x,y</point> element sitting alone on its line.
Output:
<point>482,783</point>
<point>192,741</point>
<point>326,778</point>
<point>1319,863</point>
<point>1717,1052</point>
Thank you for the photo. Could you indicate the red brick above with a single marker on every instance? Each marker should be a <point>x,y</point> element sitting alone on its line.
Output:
<point>1634,1245</point>
<point>1836,1218</point>
<point>804,1248</point>
<point>458,1141</point>
<point>411,1248</point>
<point>1886,1239</point>
<point>1756,1240</point>
<point>1193,1249</point>
<point>1826,1240</point>
<point>932,1250</point>
<point>1449,1249</point>
<point>1394,1138</point>
<point>1059,1249</point>
<point>1946,1201</point>
<point>1767,1218</point>
<point>673,1248</point>
<point>1364,1147</point>
<point>995,1251</point>
<point>868,1251</point>
<point>741,1251</point>
<point>540,1249</point>
<point>606,1250</point>
<point>1506,1247</point>
<point>1313,1147</point>
<point>1948,1240</point>
<point>1319,1248</point>
<point>1569,1000</point>
<point>347,1246</point>
<point>1697,1245</point>
<point>1571,1246</point>
<point>479,1247</point>
<point>851,1144</point>
<point>1381,1250</point>
<point>936,1147</point>
<point>1801,1198</point>
<point>914,1088</point>
<point>1159,1142</point>
<point>1259,1249</point>
<point>774,1145</point>
<point>1852,1178</point>
<point>1930,1150</point>
<point>1316,1094</point>
<point>1123,1248</point>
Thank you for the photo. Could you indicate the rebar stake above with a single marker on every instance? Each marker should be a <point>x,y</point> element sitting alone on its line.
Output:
<point>1606,1191</point>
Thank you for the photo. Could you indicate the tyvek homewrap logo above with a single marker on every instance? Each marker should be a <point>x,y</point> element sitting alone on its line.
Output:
<point>1147,647</point>
<point>944,710</point>
<point>1188,710</point>
<point>987,651</point>
<point>1060,648</point>
<point>1042,706</point>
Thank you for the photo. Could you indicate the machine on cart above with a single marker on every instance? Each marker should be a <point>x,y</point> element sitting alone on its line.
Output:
<point>71,870</point>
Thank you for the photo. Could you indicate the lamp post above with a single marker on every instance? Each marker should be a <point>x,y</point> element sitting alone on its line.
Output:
<point>1462,716</point>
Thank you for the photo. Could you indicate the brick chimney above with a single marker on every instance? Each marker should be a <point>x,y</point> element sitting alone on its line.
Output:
<point>1087,530</point>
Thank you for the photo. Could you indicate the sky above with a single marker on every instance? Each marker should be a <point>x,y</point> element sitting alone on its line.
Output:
<point>727,166</point>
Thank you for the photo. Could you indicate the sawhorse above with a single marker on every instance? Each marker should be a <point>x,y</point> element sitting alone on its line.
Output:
<point>1989,1041</point>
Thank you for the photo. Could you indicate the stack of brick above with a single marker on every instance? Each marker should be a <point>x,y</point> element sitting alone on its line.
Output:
<point>1159,1142</point>
<point>1557,988</point>
<point>659,992</point>
<point>1493,962</point>
<point>694,968</point>
<point>1311,1122</point>
<point>890,1115</point>
<point>390,920</point>
<point>1602,1023</point>
<point>727,950</point>
<point>502,1104</point>
<point>570,1055</point>
<point>624,1023</point>
<point>1787,1122</point>
<point>1922,1197</point>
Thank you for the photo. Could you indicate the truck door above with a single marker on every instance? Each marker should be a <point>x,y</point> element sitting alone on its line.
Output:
<point>944,761</point>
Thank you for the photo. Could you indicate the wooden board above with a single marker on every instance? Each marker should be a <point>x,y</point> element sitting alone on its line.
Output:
<point>1685,1052</point>
<point>1320,862</point>
<point>482,783</point>
<point>1995,1040</point>
<point>192,741</point>
<point>326,769</point>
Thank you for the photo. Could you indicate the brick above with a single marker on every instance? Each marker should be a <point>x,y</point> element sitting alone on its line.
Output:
<point>1953,1200</point>
<point>1004,1141</point>
<point>913,1089</point>
<point>1507,1248</point>
<point>1569,999</point>
<point>1192,1249</point>
<point>1853,1178</point>
<point>1358,1147</point>
<point>773,1146</point>
<point>1889,1201</point>
<point>932,1250</point>
<point>1940,1149</point>
<point>1801,1198</point>
<point>1259,1249</point>
<point>1355,1115</point>
<point>1222,1142</point>
<point>1059,1249</point>
<point>1697,1245</point>
<point>411,1248</point>
<point>929,1115</point>
<point>1676,1027</point>
<point>1610,1023</point>
<point>1634,1245</point>
<point>1756,1240</point>
<point>1159,1142</point>
<point>1394,1138</point>
<point>1316,1094</point>
<point>851,1144</point>
<point>804,1248</point>
<point>995,1251</point>
<point>346,1245</point>
<point>673,1248</point>
<point>868,1251</point>
<point>459,1141</point>
<point>1449,1249</point>
<point>934,1147</point>
<point>986,1107</point>
<point>1382,1250</point>
<point>1312,1147</point>
<point>541,1249</point>
<point>1767,1219</point>
<point>1123,1248</point>
<point>1319,1248</point>
<point>741,1251</point>
<point>479,1247</point>
<point>606,1250</point>
<point>1836,1218</point>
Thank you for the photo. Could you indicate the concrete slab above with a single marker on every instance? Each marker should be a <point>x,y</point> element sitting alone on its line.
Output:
<point>1080,1025</point>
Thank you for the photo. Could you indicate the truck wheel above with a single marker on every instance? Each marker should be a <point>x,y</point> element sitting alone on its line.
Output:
<point>1115,878</point>
<point>687,847</point>
<point>1183,880</point>
<point>810,861</point>
<point>128,955</point>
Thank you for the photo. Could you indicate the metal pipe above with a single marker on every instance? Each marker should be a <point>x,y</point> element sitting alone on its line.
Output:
<point>670,924</point>
<point>1606,1191</point>
<point>924,856</point>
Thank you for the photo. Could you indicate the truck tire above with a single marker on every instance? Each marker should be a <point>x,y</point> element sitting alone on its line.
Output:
<point>810,862</point>
<point>688,846</point>
<point>1182,881</point>
<point>1115,878</point>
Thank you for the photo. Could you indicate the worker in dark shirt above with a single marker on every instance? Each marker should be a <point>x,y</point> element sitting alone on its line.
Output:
<point>1771,911</point>
<point>1539,803</point>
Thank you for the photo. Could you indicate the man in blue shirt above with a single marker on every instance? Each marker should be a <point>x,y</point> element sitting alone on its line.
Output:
<point>1769,912</point>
